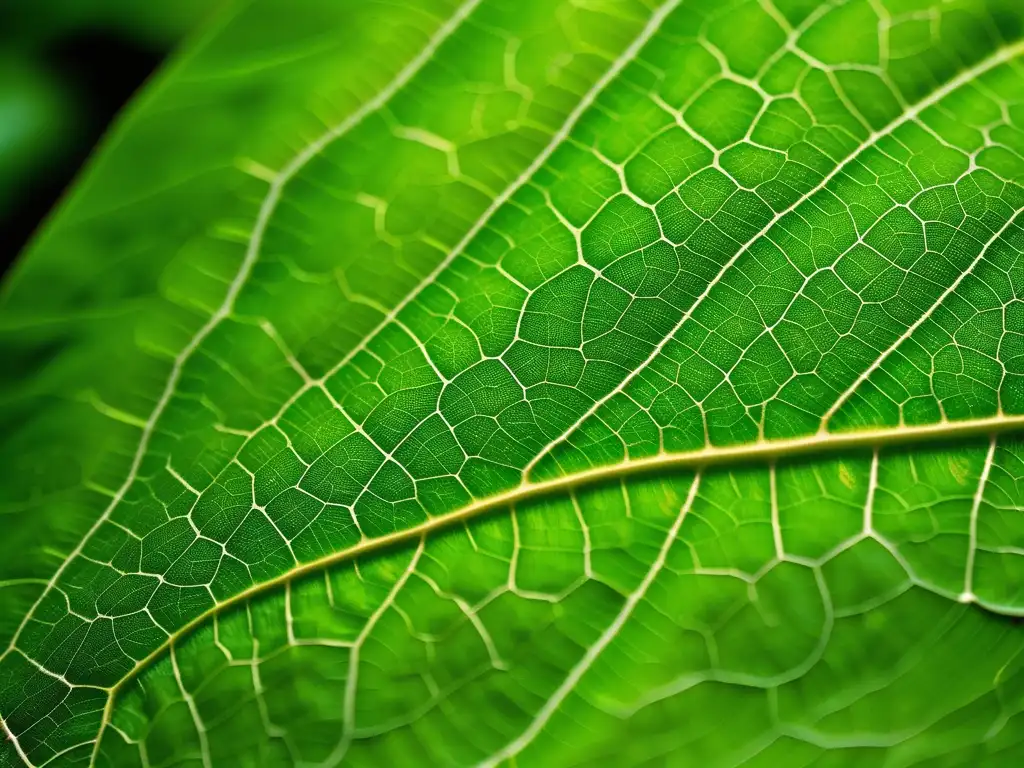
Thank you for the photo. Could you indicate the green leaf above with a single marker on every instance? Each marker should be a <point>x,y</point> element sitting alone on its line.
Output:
<point>533,383</point>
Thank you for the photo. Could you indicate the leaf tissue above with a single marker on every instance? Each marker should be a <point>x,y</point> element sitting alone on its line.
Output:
<point>533,382</point>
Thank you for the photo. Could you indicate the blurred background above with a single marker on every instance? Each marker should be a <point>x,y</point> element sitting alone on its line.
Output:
<point>66,69</point>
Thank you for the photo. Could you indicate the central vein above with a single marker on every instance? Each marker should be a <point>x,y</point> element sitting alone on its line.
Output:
<point>711,456</point>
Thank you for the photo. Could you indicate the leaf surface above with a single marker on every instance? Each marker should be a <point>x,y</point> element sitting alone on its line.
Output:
<point>537,383</point>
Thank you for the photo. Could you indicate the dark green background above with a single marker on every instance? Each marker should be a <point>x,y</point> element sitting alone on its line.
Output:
<point>66,68</point>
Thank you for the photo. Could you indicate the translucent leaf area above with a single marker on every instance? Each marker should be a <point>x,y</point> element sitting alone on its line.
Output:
<point>530,383</point>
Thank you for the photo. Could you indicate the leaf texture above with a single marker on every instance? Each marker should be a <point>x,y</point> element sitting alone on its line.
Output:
<point>533,383</point>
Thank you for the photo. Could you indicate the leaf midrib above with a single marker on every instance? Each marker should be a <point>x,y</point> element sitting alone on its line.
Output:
<point>762,451</point>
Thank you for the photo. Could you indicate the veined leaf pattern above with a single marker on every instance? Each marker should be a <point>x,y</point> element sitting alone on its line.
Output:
<point>538,383</point>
